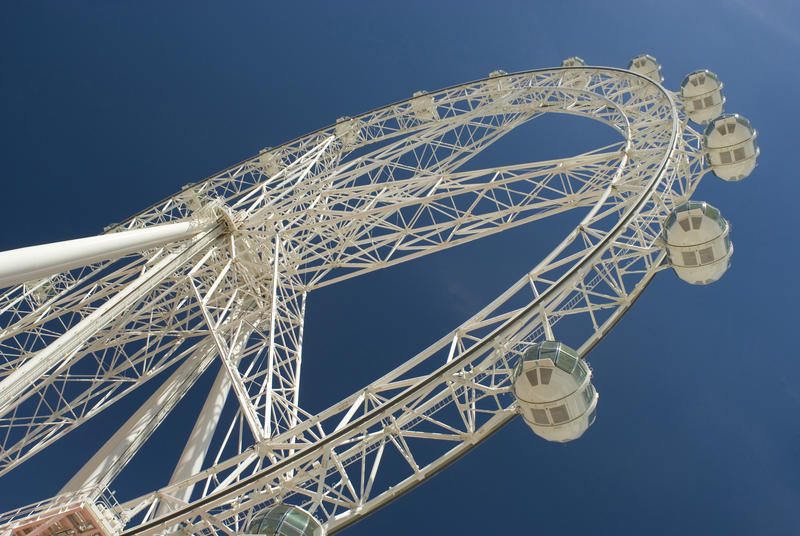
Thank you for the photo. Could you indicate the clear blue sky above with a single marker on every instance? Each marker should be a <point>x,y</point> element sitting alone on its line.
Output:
<point>107,107</point>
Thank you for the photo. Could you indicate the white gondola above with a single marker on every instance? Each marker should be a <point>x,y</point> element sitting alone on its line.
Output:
<point>423,107</point>
<point>574,79</point>
<point>698,242</point>
<point>553,388</point>
<point>701,93</point>
<point>730,145</point>
<point>573,61</point>
<point>348,131</point>
<point>646,65</point>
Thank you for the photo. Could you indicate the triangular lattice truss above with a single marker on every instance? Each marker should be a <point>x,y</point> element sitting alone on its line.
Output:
<point>364,194</point>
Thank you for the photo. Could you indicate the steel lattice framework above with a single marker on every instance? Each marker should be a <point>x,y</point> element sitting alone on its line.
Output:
<point>366,193</point>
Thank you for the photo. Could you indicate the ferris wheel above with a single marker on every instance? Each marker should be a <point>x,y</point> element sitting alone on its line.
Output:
<point>218,275</point>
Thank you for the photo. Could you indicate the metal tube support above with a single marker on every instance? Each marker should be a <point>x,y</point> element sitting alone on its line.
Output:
<point>194,454</point>
<point>26,264</point>
<point>61,352</point>
<point>107,463</point>
<point>271,354</point>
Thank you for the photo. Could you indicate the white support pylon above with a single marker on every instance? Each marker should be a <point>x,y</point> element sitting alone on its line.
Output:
<point>29,263</point>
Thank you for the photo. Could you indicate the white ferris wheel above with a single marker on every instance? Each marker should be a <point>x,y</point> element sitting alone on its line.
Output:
<point>218,274</point>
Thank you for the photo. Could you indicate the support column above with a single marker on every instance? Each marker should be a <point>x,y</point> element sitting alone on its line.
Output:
<point>26,264</point>
<point>112,457</point>
<point>16,387</point>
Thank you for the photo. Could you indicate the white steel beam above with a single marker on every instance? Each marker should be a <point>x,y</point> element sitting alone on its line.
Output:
<point>111,458</point>
<point>193,455</point>
<point>60,352</point>
<point>26,264</point>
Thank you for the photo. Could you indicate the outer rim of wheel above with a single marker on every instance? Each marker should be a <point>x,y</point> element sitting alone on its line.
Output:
<point>331,127</point>
<point>499,420</point>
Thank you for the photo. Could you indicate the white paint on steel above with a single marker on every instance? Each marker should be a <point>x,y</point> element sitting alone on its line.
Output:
<point>337,216</point>
<point>109,460</point>
<point>33,262</point>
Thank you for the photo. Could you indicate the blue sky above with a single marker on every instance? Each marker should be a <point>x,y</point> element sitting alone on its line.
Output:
<point>108,107</point>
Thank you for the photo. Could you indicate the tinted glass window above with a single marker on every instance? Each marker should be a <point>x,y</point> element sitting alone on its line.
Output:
<point>532,354</point>
<point>559,414</point>
<point>566,362</point>
<point>533,378</point>
<point>548,350</point>
<point>294,523</point>
<point>588,394</point>
<point>546,374</point>
<point>579,373</point>
<point>540,416</point>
